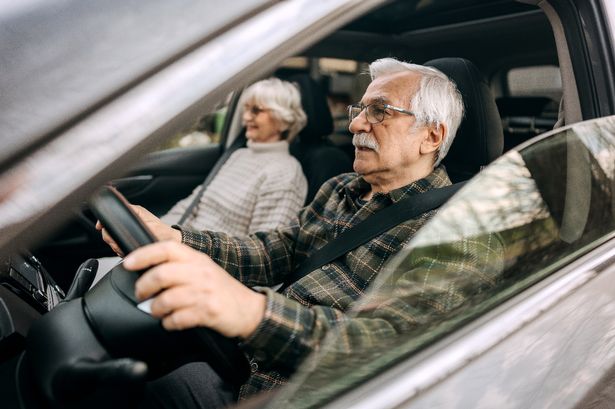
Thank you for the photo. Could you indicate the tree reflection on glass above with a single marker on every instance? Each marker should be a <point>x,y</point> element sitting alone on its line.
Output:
<point>505,230</point>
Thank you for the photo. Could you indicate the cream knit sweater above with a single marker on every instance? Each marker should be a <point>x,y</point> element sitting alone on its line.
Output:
<point>258,189</point>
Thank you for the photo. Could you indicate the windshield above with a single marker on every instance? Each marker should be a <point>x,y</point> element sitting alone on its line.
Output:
<point>522,218</point>
<point>59,58</point>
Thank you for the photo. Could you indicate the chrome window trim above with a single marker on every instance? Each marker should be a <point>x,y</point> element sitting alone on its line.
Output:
<point>401,384</point>
<point>136,121</point>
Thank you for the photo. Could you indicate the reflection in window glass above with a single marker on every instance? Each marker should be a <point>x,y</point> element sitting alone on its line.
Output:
<point>519,220</point>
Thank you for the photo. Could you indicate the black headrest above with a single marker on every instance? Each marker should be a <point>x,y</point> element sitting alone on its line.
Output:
<point>480,138</point>
<point>314,101</point>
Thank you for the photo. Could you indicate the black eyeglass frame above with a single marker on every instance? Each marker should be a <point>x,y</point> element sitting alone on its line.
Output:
<point>370,116</point>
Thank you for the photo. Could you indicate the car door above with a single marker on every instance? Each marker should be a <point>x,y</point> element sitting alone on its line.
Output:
<point>505,296</point>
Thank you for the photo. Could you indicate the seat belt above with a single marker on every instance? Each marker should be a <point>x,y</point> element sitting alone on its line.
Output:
<point>373,226</point>
<point>238,143</point>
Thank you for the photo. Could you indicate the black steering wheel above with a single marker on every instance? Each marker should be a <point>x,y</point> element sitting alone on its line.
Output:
<point>124,226</point>
<point>80,352</point>
<point>130,233</point>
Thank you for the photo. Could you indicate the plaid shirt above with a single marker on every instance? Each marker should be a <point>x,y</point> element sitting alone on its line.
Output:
<point>297,320</point>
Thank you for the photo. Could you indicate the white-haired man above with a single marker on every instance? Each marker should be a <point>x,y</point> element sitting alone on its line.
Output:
<point>403,127</point>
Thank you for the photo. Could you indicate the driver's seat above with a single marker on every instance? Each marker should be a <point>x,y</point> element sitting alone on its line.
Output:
<point>480,138</point>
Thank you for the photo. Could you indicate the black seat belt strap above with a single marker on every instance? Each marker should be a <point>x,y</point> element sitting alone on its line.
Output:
<point>238,143</point>
<point>374,226</point>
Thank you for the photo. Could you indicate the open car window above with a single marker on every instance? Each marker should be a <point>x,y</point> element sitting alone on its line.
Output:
<point>521,219</point>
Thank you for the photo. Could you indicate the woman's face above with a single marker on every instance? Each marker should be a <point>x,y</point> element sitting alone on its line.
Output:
<point>260,124</point>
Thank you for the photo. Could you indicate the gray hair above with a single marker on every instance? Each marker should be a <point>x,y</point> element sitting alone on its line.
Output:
<point>284,101</point>
<point>437,101</point>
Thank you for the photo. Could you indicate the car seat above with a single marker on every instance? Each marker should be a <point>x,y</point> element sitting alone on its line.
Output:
<point>480,138</point>
<point>319,159</point>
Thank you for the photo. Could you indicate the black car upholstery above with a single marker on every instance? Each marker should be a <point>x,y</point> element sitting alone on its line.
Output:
<point>479,138</point>
<point>319,159</point>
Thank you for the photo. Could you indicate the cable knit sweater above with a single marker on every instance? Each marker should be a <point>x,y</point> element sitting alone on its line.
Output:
<point>259,188</point>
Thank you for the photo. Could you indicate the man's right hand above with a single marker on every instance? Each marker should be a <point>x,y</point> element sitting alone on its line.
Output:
<point>160,230</point>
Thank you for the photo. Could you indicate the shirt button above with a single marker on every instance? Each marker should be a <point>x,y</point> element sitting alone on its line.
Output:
<point>326,267</point>
<point>253,366</point>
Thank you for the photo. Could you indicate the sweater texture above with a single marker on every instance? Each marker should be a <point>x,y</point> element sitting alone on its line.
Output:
<point>259,188</point>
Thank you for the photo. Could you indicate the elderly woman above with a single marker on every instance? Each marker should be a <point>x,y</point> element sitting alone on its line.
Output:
<point>262,186</point>
<point>259,187</point>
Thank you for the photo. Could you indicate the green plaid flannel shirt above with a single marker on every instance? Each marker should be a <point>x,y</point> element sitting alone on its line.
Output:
<point>297,320</point>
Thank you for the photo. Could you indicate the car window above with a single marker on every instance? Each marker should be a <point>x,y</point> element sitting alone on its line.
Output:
<point>343,81</point>
<point>522,218</point>
<point>540,80</point>
<point>528,102</point>
<point>207,130</point>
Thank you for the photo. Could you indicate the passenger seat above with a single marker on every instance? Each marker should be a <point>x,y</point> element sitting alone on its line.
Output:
<point>319,158</point>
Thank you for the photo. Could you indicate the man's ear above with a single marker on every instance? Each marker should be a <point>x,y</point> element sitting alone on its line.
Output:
<point>434,138</point>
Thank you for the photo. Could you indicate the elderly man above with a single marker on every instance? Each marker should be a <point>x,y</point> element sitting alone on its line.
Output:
<point>402,128</point>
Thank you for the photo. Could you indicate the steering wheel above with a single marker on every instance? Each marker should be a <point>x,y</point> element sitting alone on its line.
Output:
<point>130,233</point>
<point>124,226</point>
<point>86,349</point>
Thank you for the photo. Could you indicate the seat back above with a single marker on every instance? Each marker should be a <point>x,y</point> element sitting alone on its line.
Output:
<point>319,159</point>
<point>525,117</point>
<point>480,138</point>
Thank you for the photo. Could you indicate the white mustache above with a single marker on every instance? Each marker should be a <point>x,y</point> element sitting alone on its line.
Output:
<point>365,140</point>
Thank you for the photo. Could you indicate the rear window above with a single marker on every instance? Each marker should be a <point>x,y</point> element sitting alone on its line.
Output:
<point>528,102</point>
<point>543,81</point>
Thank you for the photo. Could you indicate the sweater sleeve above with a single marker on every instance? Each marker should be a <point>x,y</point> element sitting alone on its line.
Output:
<point>279,200</point>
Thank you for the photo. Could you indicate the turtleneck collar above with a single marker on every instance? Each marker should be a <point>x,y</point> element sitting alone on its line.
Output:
<point>258,147</point>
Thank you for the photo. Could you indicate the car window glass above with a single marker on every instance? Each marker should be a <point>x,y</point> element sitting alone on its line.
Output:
<point>529,102</point>
<point>206,131</point>
<point>543,80</point>
<point>344,82</point>
<point>518,221</point>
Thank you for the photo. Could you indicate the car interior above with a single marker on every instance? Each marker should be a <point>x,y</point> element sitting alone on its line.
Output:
<point>331,75</point>
<point>503,56</point>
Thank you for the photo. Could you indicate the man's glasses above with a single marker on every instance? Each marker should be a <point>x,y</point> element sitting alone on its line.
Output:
<point>375,112</point>
<point>254,110</point>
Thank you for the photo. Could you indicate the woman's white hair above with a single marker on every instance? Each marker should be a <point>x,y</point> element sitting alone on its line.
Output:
<point>437,101</point>
<point>284,101</point>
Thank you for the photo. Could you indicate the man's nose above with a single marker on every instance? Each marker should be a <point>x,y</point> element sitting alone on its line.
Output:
<point>360,124</point>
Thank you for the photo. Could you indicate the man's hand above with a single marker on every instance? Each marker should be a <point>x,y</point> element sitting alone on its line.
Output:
<point>160,230</point>
<point>191,290</point>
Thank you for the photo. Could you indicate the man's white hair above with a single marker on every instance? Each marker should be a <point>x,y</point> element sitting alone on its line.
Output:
<point>437,101</point>
<point>284,101</point>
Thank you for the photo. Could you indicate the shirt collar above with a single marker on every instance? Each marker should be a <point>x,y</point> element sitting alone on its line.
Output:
<point>437,178</point>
